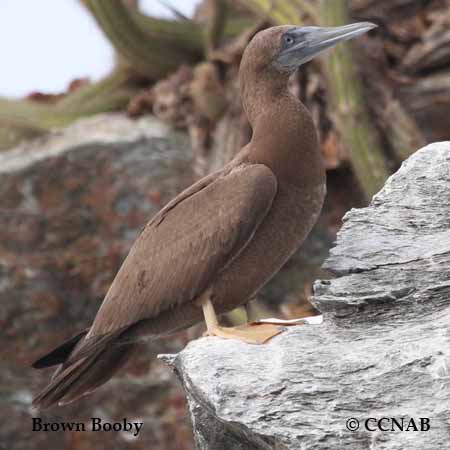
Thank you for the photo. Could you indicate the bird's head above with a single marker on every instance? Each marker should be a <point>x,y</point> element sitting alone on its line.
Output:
<point>287,47</point>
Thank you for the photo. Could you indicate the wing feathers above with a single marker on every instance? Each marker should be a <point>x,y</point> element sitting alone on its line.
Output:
<point>185,246</point>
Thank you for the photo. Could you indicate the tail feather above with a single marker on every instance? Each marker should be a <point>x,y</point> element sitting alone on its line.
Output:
<point>60,354</point>
<point>89,366</point>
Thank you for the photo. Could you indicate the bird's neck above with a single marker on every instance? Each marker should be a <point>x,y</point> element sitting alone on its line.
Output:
<point>259,91</point>
<point>284,136</point>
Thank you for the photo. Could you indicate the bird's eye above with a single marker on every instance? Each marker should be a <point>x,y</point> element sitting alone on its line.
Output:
<point>288,40</point>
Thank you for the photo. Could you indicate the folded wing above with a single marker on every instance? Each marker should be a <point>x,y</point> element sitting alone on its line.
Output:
<point>183,248</point>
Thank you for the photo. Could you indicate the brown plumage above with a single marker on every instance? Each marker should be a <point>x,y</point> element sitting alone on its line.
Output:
<point>218,242</point>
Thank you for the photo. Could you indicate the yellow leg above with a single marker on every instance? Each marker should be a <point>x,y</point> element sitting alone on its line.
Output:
<point>250,333</point>
<point>250,309</point>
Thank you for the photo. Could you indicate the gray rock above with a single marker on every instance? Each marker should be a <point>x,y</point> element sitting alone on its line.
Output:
<point>382,351</point>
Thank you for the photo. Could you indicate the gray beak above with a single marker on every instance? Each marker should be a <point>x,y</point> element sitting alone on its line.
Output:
<point>302,44</point>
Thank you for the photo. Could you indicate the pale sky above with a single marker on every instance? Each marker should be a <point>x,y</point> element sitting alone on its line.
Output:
<point>44,44</point>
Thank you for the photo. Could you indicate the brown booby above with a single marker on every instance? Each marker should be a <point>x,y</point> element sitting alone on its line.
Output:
<point>218,242</point>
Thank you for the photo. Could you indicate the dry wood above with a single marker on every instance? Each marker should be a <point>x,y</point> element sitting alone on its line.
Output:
<point>433,49</point>
<point>350,113</point>
<point>22,119</point>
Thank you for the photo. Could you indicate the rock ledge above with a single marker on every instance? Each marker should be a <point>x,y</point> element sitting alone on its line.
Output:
<point>383,349</point>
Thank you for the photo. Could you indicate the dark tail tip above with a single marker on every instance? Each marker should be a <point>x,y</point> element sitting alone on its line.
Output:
<point>92,365</point>
<point>59,354</point>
